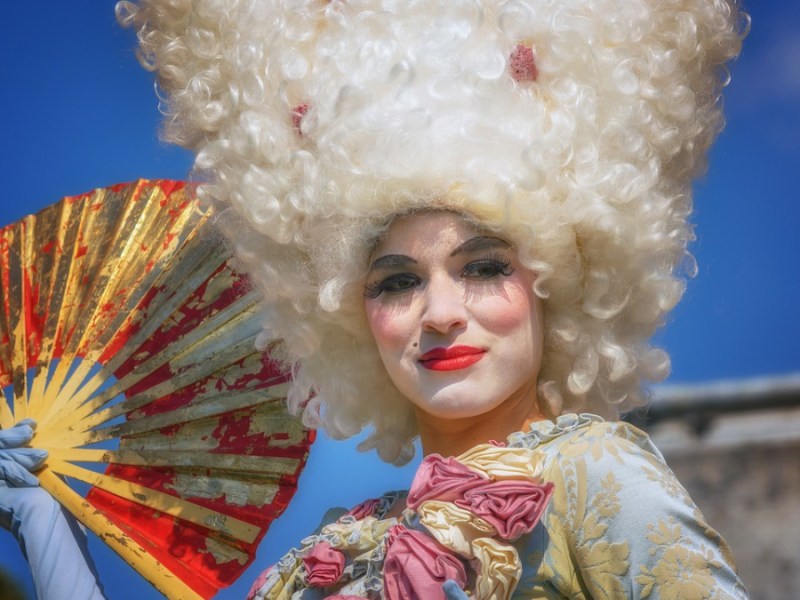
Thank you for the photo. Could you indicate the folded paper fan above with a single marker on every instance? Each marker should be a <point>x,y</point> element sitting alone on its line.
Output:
<point>128,335</point>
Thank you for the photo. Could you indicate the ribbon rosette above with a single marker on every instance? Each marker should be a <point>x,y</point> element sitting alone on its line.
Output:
<point>512,507</point>
<point>416,566</point>
<point>498,462</point>
<point>324,565</point>
<point>475,504</point>
<point>440,478</point>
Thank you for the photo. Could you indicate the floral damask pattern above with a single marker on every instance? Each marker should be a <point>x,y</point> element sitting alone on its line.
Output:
<point>679,571</point>
<point>623,526</point>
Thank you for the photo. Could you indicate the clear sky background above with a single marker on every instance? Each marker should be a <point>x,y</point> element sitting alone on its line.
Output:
<point>76,113</point>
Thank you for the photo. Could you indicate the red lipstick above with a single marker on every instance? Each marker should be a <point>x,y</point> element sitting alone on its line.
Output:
<point>452,358</point>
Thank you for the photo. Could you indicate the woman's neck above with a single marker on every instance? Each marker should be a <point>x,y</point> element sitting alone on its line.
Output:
<point>451,437</point>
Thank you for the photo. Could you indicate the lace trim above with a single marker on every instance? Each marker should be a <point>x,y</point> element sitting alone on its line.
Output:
<point>542,432</point>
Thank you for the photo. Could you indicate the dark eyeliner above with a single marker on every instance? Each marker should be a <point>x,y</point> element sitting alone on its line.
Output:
<point>497,260</point>
<point>393,284</point>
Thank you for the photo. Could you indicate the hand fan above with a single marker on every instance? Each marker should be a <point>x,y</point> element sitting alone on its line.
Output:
<point>128,334</point>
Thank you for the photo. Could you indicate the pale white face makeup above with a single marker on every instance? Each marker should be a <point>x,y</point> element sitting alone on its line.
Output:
<point>455,319</point>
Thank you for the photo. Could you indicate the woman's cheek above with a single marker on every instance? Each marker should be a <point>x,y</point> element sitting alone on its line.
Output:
<point>508,312</point>
<point>386,327</point>
<point>392,337</point>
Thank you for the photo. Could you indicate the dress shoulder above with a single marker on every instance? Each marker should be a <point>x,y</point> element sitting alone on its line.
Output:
<point>620,524</point>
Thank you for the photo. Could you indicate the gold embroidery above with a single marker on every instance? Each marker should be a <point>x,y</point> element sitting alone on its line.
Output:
<point>679,571</point>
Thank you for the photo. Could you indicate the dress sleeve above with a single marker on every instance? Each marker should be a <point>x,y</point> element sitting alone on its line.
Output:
<point>53,543</point>
<point>270,577</point>
<point>631,529</point>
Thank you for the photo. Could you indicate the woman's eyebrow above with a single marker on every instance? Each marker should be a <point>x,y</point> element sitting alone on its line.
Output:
<point>481,242</point>
<point>389,261</point>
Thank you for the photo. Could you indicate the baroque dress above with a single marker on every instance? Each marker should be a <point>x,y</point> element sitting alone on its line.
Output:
<point>578,508</point>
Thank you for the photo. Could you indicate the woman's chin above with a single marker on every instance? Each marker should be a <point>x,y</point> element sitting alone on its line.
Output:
<point>455,402</point>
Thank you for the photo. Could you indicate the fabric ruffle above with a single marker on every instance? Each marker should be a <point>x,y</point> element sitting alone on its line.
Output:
<point>476,504</point>
<point>463,515</point>
<point>542,432</point>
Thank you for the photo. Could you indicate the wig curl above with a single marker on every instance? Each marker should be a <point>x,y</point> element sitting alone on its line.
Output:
<point>573,128</point>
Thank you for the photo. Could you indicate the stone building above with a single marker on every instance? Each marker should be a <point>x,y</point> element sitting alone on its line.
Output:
<point>736,448</point>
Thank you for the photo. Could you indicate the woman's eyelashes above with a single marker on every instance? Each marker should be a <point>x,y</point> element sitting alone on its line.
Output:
<point>396,283</point>
<point>488,268</point>
<point>485,268</point>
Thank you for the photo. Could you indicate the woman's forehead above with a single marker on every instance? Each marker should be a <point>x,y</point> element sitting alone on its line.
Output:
<point>422,228</point>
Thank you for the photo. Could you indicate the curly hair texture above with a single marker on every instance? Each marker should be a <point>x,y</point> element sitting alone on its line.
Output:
<point>573,128</point>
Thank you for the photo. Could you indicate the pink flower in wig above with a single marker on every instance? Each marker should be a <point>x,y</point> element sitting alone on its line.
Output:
<point>513,507</point>
<point>442,479</point>
<point>522,64</point>
<point>324,565</point>
<point>298,112</point>
<point>416,566</point>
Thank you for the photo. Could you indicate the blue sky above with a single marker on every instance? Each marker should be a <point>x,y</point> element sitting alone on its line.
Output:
<point>79,113</point>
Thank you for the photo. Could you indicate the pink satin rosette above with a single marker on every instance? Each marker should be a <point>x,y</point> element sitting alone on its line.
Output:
<point>444,479</point>
<point>324,565</point>
<point>416,566</point>
<point>476,504</point>
<point>511,507</point>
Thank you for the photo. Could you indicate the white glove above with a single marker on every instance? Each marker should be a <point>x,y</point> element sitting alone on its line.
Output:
<point>50,538</point>
<point>16,461</point>
<point>452,591</point>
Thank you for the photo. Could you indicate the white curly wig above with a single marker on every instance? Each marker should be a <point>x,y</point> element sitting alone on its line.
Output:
<point>572,127</point>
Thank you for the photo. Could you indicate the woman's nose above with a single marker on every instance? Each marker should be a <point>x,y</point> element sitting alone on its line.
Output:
<point>444,308</point>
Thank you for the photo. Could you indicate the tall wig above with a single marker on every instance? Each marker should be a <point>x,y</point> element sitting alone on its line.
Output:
<point>573,128</point>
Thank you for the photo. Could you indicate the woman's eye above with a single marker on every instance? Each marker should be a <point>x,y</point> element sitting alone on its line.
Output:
<point>394,284</point>
<point>487,269</point>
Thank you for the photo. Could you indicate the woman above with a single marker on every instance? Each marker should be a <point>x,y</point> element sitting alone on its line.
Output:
<point>467,219</point>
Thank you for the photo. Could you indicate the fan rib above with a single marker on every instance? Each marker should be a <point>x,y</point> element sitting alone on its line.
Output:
<point>54,229</point>
<point>261,468</point>
<point>17,331</point>
<point>6,416</point>
<point>213,407</point>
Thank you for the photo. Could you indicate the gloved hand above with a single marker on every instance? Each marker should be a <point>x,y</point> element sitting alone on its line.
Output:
<point>452,591</point>
<point>50,538</point>
<point>16,461</point>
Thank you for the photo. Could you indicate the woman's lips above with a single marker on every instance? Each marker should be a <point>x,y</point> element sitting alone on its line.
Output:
<point>452,358</point>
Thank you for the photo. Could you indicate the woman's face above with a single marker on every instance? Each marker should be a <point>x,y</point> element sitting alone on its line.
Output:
<point>454,316</point>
